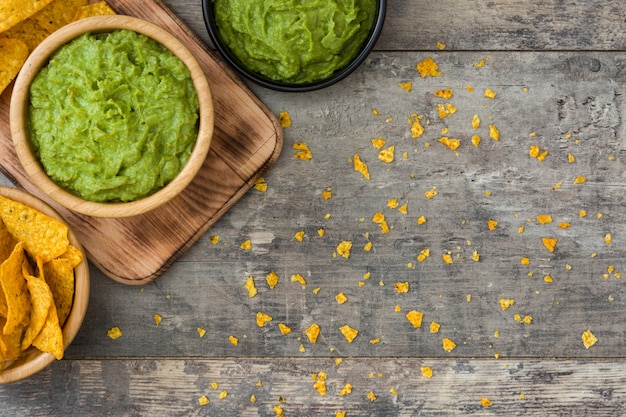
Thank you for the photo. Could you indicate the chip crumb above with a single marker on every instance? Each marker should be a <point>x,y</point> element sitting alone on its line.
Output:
<point>580,179</point>
<point>434,327</point>
<point>340,414</point>
<point>485,402</point>
<point>271,279</point>
<point>375,341</point>
<point>424,253</point>
<point>341,298</point>
<point>312,332</point>
<point>371,396</point>
<point>401,287</point>
<point>549,243</point>
<point>368,247</point>
<point>350,333</point>
<point>203,400</point>
<point>452,144</point>
<point>260,184</point>
<point>494,133</point>
<point>379,218</point>
<point>427,372</point>
<point>445,110</point>
<point>475,122</point>
<point>444,93</point>
<point>250,287</point>
<point>447,258</point>
<point>544,218</point>
<point>304,153</point>
<point>214,239</point>
<point>278,410</point>
<point>284,329</point>
<point>253,398</point>
<point>201,331</point>
<point>417,129</point>
<point>492,224</point>
<point>489,93</point>
<point>608,238</point>
<point>320,383</point>
<point>421,219</point>
<point>361,166</point>
<point>262,319</point>
<point>327,194</point>
<point>415,318</point>
<point>246,245</point>
<point>347,389</point>
<point>428,68</point>
<point>448,345</point>
<point>114,333</point>
<point>299,279</point>
<point>157,319</point>
<point>589,339</point>
<point>285,119</point>
<point>344,248</point>
<point>406,86</point>
<point>441,46</point>
<point>387,155</point>
<point>432,193</point>
<point>378,143</point>
<point>233,340</point>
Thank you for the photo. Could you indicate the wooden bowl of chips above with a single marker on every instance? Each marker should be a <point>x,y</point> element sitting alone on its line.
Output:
<point>102,144</point>
<point>44,285</point>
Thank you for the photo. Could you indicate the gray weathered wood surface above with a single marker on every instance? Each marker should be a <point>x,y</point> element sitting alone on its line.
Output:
<point>558,70</point>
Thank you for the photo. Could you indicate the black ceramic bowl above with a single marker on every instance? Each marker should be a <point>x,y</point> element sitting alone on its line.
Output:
<point>230,57</point>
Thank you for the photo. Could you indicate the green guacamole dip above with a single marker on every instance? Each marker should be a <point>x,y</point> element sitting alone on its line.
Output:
<point>294,41</point>
<point>113,116</point>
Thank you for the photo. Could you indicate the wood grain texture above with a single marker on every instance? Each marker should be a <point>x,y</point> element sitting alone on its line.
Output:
<point>172,387</point>
<point>246,141</point>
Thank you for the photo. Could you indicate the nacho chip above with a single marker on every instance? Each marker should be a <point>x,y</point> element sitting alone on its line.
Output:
<point>7,242</point>
<point>29,32</point>
<point>58,14</point>
<point>74,255</point>
<point>10,343</point>
<point>50,338</point>
<point>13,54</point>
<point>40,298</point>
<point>14,287</point>
<point>95,9</point>
<point>59,275</point>
<point>14,11</point>
<point>43,236</point>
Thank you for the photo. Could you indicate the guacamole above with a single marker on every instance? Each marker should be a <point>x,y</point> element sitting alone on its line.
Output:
<point>113,116</point>
<point>296,41</point>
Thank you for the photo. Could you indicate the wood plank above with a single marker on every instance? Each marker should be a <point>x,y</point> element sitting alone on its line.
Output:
<point>494,25</point>
<point>564,95</point>
<point>247,140</point>
<point>173,386</point>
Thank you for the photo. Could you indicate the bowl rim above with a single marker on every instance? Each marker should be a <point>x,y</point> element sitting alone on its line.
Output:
<point>19,116</point>
<point>368,45</point>
<point>32,360</point>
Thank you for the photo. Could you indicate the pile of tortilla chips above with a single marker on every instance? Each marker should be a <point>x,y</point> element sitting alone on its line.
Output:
<point>24,24</point>
<point>37,264</point>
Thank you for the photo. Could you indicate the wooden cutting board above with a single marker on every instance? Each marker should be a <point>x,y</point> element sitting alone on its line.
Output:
<point>247,140</point>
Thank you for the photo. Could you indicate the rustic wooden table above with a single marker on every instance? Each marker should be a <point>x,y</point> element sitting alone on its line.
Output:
<point>557,70</point>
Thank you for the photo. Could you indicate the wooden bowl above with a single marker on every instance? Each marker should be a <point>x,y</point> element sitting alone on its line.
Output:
<point>32,360</point>
<point>19,114</point>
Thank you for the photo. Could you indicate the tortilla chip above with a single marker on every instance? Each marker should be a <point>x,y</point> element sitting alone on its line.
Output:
<point>58,14</point>
<point>13,54</point>
<point>74,255</point>
<point>7,242</point>
<point>10,343</point>
<point>14,11</point>
<point>94,9</point>
<point>14,285</point>
<point>29,32</point>
<point>41,298</point>
<point>50,339</point>
<point>59,276</point>
<point>43,236</point>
